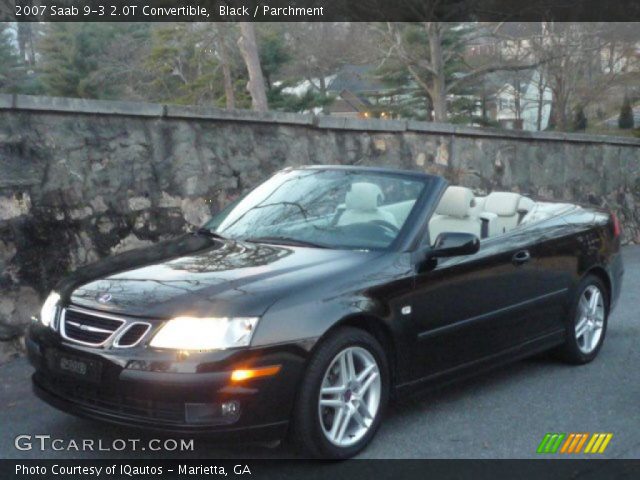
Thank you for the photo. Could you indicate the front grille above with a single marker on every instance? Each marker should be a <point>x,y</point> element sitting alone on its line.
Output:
<point>88,328</point>
<point>98,398</point>
<point>132,334</point>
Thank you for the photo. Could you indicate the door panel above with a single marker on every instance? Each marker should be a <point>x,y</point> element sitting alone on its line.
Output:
<point>471,307</point>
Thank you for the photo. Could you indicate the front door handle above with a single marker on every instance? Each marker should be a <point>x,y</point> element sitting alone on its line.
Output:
<point>521,257</point>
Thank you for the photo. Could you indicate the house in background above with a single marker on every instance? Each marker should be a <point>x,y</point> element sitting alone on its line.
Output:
<point>515,100</point>
<point>350,105</point>
<point>357,93</point>
<point>356,88</point>
<point>520,101</point>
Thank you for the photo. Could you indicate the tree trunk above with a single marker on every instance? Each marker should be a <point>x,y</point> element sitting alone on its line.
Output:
<point>22,41</point>
<point>229,94</point>
<point>249,50</point>
<point>517,104</point>
<point>438,91</point>
<point>560,111</point>
<point>539,102</point>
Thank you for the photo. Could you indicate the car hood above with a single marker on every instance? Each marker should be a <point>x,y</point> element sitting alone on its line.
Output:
<point>213,278</point>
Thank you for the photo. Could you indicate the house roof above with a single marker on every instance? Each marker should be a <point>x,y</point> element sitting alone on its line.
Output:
<point>349,102</point>
<point>356,79</point>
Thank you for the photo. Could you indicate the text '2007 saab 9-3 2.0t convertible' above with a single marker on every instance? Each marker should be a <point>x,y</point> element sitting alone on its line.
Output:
<point>301,308</point>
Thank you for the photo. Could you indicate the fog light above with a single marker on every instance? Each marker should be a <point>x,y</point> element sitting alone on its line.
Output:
<point>230,409</point>
<point>212,413</point>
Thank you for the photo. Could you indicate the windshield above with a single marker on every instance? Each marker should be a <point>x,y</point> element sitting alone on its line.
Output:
<point>323,208</point>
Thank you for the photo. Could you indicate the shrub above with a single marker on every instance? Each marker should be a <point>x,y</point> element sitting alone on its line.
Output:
<point>625,120</point>
<point>580,120</point>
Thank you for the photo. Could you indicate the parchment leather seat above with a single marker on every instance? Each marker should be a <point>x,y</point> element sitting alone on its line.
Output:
<point>505,206</point>
<point>454,214</point>
<point>362,205</point>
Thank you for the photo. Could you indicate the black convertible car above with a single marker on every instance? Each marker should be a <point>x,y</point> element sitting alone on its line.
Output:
<point>308,303</point>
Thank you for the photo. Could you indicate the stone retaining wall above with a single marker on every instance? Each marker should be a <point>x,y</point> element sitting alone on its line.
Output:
<point>83,179</point>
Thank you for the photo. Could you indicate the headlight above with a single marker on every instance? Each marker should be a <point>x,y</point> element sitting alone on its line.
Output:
<point>49,309</point>
<point>189,333</point>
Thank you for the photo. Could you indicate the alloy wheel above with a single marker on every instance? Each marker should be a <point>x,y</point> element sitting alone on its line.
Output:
<point>349,397</point>
<point>589,319</point>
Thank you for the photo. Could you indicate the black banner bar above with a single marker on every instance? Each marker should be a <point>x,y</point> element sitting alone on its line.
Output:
<point>311,470</point>
<point>319,10</point>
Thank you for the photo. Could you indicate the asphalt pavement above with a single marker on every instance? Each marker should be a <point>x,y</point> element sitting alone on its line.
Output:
<point>501,414</point>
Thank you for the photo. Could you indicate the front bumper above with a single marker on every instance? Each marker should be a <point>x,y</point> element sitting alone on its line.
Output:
<point>171,391</point>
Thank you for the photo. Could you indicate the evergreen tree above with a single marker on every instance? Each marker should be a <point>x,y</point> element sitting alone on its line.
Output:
<point>275,56</point>
<point>409,98</point>
<point>87,60</point>
<point>273,51</point>
<point>625,120</point>
<point>183,66</point>
<point>405,98</point>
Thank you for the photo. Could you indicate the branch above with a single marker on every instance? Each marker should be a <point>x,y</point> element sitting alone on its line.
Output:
<point>402,53</point>
<point>313,85</point>
<point>490,69</point>
<point>418,78</point>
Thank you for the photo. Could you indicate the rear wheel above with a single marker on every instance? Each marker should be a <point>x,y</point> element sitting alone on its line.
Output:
<point>588,322</point>
<point>343,395</point>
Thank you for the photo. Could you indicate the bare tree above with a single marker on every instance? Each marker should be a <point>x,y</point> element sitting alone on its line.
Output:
<point>249,50</point>
<point>221,33</point>
<point>26,43</point>
<point>581,62</point>
<point>541,87</point>
<point>319,49</point>
<point>428,64</point>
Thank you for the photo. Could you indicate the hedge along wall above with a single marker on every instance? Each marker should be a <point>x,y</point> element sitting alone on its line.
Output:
<point>83,179</point>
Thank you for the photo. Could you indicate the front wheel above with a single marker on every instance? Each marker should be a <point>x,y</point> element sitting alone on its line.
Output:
<point>343,395</point>
<point>588,322</point>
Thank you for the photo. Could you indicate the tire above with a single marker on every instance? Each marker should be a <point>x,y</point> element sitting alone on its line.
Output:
<point>313,424</point>
<point>581,349</point>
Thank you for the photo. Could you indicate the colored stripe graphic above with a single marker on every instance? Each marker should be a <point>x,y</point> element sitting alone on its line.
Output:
<point>598,443</point>
<point>605,443</point>
<point>543,443</point>
<point>584,439</point>
<point>551,442</point>
<point>565,447</point>
<point>574,442</point>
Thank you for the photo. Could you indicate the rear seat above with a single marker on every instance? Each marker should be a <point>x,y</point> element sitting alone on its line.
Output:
<point>505,206</point>
<point>497,213</point>
<point>525,205</point>
<point>488,219</point>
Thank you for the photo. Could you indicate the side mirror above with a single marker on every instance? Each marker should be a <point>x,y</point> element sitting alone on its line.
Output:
<point>448,244</point>
<point>452,244</point>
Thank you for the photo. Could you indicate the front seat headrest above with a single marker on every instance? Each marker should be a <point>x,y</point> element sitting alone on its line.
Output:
<point>456,202</point>
<point>363,196</point>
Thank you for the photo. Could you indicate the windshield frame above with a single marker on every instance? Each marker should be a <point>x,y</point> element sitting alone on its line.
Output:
<point>406,234</point>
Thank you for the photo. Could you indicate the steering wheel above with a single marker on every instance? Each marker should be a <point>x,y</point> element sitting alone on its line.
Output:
<point>385,224</point>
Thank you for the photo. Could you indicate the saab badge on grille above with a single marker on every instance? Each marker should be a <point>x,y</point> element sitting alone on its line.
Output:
<point>105,298</point>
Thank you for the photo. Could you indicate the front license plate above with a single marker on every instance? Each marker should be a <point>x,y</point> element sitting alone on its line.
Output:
<point>74,366</point>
